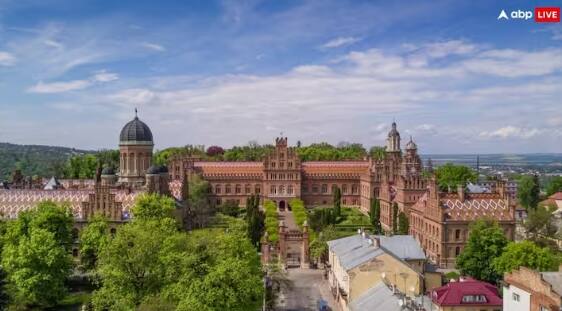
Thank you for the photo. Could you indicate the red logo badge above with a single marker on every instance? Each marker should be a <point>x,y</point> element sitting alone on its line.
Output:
<point>547,15</point>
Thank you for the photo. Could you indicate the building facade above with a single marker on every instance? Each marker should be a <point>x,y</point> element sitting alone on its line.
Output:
<point>529,290</point>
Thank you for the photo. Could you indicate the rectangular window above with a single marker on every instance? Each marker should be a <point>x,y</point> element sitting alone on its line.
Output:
<point>315,188</point>
<point>305,188</point>
<point>344,189</point>
<point>324,188</point>
<point>516,297</point>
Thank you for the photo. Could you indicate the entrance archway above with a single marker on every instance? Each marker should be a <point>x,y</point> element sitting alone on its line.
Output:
<point>282,206</point>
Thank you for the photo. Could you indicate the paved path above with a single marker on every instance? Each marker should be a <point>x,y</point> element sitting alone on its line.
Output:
<point>288,219</point>
<point>309,285</point>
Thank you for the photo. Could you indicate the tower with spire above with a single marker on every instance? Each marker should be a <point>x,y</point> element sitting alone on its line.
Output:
<point>393,140</point>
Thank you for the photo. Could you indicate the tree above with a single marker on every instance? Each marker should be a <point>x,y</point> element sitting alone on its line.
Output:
<point>255,219</point>
<point>131,266</point>
<point>486,242</point>
<point>319,247</point>
<point>185,189</point>
<point>4,297</point>
<point>148,265</point>
<point>229,208</point>
<point>153,206</point>
<point>449,176</point>
<point>526,254</point>
<point>93,238</point>
<point>199,205</point>
<point>215,151</point>
<point>36,256</point>
<point>377,152</point>
<point>554,185</point>
<point>337,201</point>
<point>528,192</point>
<point>37,267</point>
<point>540,223</point>
<point>375,216</point>
<point>394,218</point>
<point>403,223</point>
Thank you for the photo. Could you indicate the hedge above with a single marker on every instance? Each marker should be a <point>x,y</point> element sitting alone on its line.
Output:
<point>271,221</point>
<point>299,211</point>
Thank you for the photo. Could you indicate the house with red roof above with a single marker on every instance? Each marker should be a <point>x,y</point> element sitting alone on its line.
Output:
<point>467,294</point>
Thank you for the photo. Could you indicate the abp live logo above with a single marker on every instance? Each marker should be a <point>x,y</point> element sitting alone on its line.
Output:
<point>541,15</point>
<point>547,15</point>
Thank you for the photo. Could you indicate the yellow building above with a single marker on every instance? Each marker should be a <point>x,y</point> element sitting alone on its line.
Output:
<point>363,267</point>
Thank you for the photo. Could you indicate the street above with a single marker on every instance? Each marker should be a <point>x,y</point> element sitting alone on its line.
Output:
<point>309,285</point>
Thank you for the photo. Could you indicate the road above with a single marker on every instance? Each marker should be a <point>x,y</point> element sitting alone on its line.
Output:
<point>309,285</point>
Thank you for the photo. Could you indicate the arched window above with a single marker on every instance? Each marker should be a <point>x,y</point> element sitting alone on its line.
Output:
<point>257,189</point>
<point>344,189</point>
<point>247,188</point>
<point>324,188</point>
<point>238,189</point>
<point>290,189</point>
<point>227,189</point>
<point>273,190</point>
<point>217,189</point>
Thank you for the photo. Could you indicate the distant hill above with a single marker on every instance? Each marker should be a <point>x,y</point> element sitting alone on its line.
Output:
<point>34,159</point>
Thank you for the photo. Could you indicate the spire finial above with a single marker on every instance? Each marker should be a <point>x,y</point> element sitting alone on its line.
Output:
<point>136,112</point>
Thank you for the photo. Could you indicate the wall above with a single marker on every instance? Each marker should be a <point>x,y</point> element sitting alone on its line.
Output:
<point>369,274</point>
<point>524,303</point>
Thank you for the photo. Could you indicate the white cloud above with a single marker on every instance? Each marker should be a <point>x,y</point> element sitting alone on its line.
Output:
<point>153,46</point>
<point>515,63</point>
<point>59,87</point>
<point>341,41</point>
<point>74,85</point>
<point>512,132</point>
<point>103,76</point>
<point>7,59</point>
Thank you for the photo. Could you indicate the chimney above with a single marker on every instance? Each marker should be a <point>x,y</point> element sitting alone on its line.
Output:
<point>460,191</point>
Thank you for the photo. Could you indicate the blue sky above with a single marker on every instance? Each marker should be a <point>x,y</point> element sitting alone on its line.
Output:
<point>227,72</point>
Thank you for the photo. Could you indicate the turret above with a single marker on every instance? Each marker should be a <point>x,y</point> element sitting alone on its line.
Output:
<point>393,140</point>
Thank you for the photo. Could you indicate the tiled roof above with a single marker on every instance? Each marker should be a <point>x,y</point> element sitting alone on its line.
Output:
<point>229,168</point>
<point>453,293</point>
<point>12,202</point>
<point>339,167</point>
<point>377,298</point>
<point>476,206</point>
<point>556,196</point>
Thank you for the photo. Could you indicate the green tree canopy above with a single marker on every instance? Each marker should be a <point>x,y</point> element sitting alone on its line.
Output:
<point>377,152</point>
<point>375,216</point>
<point>486,242</point>
<point>554,185</point>
<point>449,176</point>
<point>528,192</point>
<point>153,206</point>
<point>93,238</point>
<point>36,256</point>
<point>526,254</point>
<point>149,263</point>
<point>403,223</point>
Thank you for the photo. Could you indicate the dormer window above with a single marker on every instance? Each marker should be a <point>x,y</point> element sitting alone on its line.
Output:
<point>474,299</point>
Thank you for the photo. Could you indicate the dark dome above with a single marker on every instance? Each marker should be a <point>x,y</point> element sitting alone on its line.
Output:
<point>153,170</point>
<point>163,169</point>
<point>136,131</point>
<point>108,171</point>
